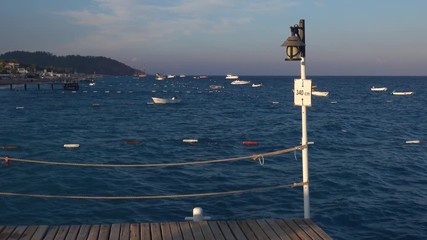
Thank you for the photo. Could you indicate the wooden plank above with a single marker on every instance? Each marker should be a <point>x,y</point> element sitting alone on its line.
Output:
<point>17,233</point>
<point>197,232</point>
<point>135,234</point>
<point>145,231</point>
<point>51,232</point>
<point>156,233</point>
<point>317,229</point>
<point>307,229</point>
<point>235,229</point>
<point>258,230</point>
<point>269,231</point>
<point>287,230</point>
<point>216,231</point>
<point>166,231</point>
<point>277,229</point>
<point>72,232</point>
<point>226,230</point>
<point>175,231</point>
<point>83,232</point>
<point>206,230</point>
<point>7,231</point>
<point>124,231</point>
<point>40,232</point>
<point>104,232</point>
<point>94,232</point>
<point>301,234</point>
<point>114,232</point>
<point>62,232</point>
<point>246,230</point>
<point>186,231</point>
<point>29,232</point>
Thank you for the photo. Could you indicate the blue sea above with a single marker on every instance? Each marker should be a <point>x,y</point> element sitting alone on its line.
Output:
<point>365,181</point>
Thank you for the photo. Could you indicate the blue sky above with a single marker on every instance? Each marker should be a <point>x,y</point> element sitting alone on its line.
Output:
<point>216,37</point>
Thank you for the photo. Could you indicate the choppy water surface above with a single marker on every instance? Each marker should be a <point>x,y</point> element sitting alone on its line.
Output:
<point>365,182</point>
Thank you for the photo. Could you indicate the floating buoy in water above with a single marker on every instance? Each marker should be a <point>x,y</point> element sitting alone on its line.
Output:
<point>413,141</point>
<point>72,145</point>
<point>250,143</point>
<point>190,140</point>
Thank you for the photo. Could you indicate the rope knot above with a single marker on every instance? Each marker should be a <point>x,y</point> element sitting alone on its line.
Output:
<point>259,158</point>
<point>6,161</point>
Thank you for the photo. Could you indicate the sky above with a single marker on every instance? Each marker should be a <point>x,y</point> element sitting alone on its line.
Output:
<point>216,37</point>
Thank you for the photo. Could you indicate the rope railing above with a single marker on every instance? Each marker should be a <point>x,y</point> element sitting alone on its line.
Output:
<point>209,194</point>
<point>260,157</point>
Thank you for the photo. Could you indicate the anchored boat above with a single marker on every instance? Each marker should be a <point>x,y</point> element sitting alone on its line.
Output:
<point>402,93</point>
<point>157,100</point>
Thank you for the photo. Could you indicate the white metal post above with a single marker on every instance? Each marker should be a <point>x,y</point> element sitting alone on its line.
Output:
<point>304,142</point>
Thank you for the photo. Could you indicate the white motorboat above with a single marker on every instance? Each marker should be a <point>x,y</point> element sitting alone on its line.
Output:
<point>240,82</point>
<point>378,89</point>
<point>157,100</point>
<point>402,93</point>
<point>255,85</point>
<point>320,94</point>
<point>170,76</point>
<point>160,76</point>
<point>231,77</point>
<point>215,87</point>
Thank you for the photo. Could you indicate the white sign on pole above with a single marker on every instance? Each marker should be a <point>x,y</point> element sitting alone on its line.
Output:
<point>302,92</point>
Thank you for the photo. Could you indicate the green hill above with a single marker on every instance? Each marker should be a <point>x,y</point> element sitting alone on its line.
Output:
<point>70,63</point>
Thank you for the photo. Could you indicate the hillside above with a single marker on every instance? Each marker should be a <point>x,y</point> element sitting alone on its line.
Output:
<point>70,63</point>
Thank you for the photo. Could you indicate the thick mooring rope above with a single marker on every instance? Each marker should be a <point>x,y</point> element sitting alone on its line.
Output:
<point>209,194</point>
<point>7,160</point>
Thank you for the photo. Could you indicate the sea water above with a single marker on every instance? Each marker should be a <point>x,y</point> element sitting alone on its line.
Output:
<point>365,181</point>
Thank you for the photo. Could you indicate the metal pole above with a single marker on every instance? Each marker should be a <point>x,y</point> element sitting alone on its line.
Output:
<point>305,151</point>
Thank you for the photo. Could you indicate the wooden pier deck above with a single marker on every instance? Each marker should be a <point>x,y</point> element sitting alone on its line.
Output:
<point>302,229</point>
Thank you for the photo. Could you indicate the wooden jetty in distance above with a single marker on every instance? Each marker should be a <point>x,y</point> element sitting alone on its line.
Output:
<point>185,230</point>
<point>68,83</point>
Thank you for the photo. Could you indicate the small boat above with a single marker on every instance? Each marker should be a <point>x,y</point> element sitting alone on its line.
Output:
<point>240,82</point>
<point>231,77</point>
<point>255,85</point>
<point>157,100</point>
<point>378,89</point>
<point>92,84</point>
<point>320,94</point>
<point>215,87</point>
<point>416,141</point>
<point>170,76</point>
<point>402,93</point>
<point>160,76</point>
<point>71,145</point>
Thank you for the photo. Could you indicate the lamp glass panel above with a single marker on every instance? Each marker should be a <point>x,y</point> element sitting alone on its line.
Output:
<point>292,51</point>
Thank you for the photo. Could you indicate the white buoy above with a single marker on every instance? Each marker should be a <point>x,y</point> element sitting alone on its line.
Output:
<point>72,145</point>
<point>413,141</point>
<point>197,215</point>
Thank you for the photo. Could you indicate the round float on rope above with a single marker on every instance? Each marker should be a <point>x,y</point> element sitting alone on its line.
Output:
<point>250,143</point>
<point>190,140</point>
<point>72,145</point>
